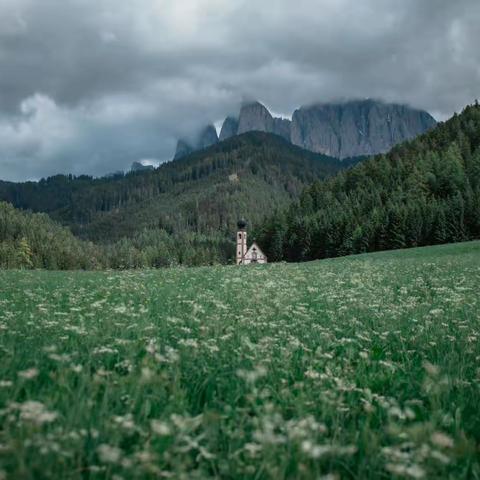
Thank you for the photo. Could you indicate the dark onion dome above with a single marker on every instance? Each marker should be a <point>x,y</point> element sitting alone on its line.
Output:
<point>242,224</point>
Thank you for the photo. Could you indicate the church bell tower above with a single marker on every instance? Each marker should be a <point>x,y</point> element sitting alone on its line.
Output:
<point>241,241</point>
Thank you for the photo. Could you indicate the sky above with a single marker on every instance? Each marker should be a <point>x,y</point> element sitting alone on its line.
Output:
<point>89,86</point>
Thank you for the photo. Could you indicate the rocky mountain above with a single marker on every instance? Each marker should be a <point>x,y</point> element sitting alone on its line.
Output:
<point>341,130</point>
<point>208,137</point>
<point>282,127</point>
<point>205,138</point>
<point>229,128</point>
<point>183,149</point>
<point>355,128</point>
<point>254,117</point>
<point>140,167</point>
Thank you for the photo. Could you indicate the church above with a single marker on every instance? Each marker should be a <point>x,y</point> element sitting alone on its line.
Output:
<point>247,256</point>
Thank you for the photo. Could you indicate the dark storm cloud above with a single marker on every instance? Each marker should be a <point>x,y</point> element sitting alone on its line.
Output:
<point>92,86</point>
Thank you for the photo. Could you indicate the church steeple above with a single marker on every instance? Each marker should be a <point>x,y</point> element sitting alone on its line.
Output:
<point>241,241</point>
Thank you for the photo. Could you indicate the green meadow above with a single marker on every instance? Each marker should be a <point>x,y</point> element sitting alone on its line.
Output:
<point>358,367</point>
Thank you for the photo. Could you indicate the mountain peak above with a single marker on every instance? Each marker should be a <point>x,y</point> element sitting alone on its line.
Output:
<point>229,128</point>
<point>206,137</point>
<point>183,148</point>
<point>140,167</point>
<point>254,116</point>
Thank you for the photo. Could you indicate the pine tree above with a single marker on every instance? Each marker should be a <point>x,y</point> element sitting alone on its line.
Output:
<point>440,234</point>
<point>397,230</point>
<point>24,254</point>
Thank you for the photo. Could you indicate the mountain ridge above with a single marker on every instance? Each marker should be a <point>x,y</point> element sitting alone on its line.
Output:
<point>357,127</point>
<point>339,129</point>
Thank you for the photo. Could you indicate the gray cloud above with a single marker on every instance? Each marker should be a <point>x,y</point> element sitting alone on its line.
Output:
<point>90,86</point>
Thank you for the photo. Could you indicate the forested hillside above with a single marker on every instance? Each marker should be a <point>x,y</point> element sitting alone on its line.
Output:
<point>423,192</point>
<point>204,193</point>
<point>183,213</point>
<point>35,241</point>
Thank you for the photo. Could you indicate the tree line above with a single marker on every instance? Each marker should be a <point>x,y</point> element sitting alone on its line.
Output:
<point>32,240</point>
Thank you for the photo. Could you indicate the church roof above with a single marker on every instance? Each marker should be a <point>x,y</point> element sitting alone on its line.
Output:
<point>255,246</point>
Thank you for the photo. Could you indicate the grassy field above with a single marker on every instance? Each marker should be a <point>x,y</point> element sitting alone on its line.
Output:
<point>361,367</point>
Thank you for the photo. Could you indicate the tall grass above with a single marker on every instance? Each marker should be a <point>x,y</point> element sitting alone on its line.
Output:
<point>362,367</point>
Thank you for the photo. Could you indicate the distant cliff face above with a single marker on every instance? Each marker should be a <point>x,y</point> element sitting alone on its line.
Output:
<point>140,167</point>
<point>282,127</point>
<point>207,137</point>
<point>229,128</point>
<point>183,148</point>
<point>356,128</point>
<point>254,117</point>
<point>341,130</point>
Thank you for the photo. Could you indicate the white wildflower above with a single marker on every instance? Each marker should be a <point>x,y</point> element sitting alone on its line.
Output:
<point>251,376</point>
<point>252,448</point>
<point>441,440</point>
<point>188,342</point>
<point>317,451</point>
<point>439,456</point>
<point>431,369</point>
<point>102,350</point>
<point>160,428</point>
<point>63,358</point>
<point>312,373</point>
<point>36,412</point>
<point>120,309</point>
<point>147,374</point>
<point>413,471</point>
<point>145,456</point>
<point>126,421</point>
<point>28,374</point>
<point>108,453</point>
